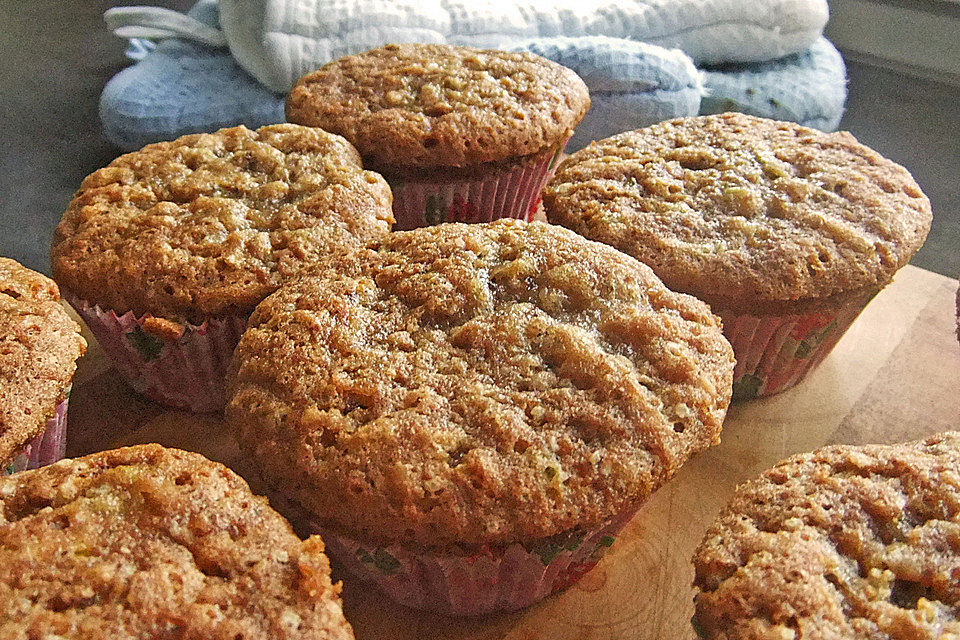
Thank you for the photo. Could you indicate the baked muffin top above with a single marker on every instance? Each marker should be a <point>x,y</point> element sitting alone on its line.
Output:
<point>736,209</point>
<point>477,384</point>
<point>148,542</point>
<point>845,542</point>
<point>432,105</point>
<point>39,346</point>
<point>209,224</point>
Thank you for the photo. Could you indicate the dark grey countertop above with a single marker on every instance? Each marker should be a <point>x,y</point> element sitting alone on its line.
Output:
<point>56,55</point>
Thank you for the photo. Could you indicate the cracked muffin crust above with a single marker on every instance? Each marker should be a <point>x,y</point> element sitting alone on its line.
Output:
<point>210,224</point>
<point>39,347</point>
<point>845,542</point>
<point>432,105</point>
<point>477,384</point>
<point>153,542</point>
<point>746,213</point>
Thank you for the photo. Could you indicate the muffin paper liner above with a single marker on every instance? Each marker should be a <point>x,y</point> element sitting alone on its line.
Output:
<point>187,373</point>
<point>493,579</point>
<point>48,447</point>
<point>774,353</point>
<point>510,193</point>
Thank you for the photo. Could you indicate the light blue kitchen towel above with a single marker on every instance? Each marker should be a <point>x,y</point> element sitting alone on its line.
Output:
<point>632,84</point>
<point>809,88</point>
<point>184,87</point>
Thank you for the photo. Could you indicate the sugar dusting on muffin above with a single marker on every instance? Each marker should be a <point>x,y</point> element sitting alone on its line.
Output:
<point>209,224</point>
<point>424,105</point>
<point>743,211</point>
<point>845,542</point>
<point>40,347</point>
<point>477,384</point>
<point>154,542</point>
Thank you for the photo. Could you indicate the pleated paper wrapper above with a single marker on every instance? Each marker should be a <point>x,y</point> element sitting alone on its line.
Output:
<point>188,373</point>
<point>774,353</point>
<point>512,192</point>
<point>494,579</point>
<point>48,447</point>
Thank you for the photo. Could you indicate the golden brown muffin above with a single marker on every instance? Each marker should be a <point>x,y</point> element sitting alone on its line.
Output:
<point>39,347</point>
<point>477,384</point>
<point>148,542</point>
<point>209,224</point>
<point>746,213</point>
<point>842,543</point>
<point>432,105</point>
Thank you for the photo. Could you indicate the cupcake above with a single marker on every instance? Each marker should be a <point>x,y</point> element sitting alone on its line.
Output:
<point>469,414</point>
<point>845,542</point>
<point>148,542</point>
<point>785,231</point>
<point>166,251</point>
<point>461,134</point>
<point>41,345</point>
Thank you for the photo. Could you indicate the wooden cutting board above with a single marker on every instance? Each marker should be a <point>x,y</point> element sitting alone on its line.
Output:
<point>894,376</point>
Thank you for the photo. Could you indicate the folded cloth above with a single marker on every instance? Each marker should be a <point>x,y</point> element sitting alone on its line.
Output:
<point>278,41</point>
<point>183,86</point>
<point>809,88</point>
<point>632,84</point>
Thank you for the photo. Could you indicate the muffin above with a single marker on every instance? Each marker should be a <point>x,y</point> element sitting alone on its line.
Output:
<point>148,542</point>
<point>845,542</point>
<point>469,414</point>
<point>461,134</point>
<point>41,345</point>
<point>785,231</point>
<point>166,251</point>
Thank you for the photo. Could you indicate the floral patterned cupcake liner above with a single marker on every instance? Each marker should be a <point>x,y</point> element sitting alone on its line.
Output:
<point>49,446</point>
<point>774,353</point>
<point>187,373</point>
<point>493,579</point>
<point>510,193</point>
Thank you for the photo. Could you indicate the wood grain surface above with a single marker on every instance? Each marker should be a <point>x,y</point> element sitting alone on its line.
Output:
<point>894,376</point>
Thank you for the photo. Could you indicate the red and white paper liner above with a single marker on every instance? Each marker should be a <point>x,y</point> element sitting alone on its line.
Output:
<point>187,373</point>
<point>513,192</point>
<point>46,448</point>
<point>492,579</point>
<point>774,353</point>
